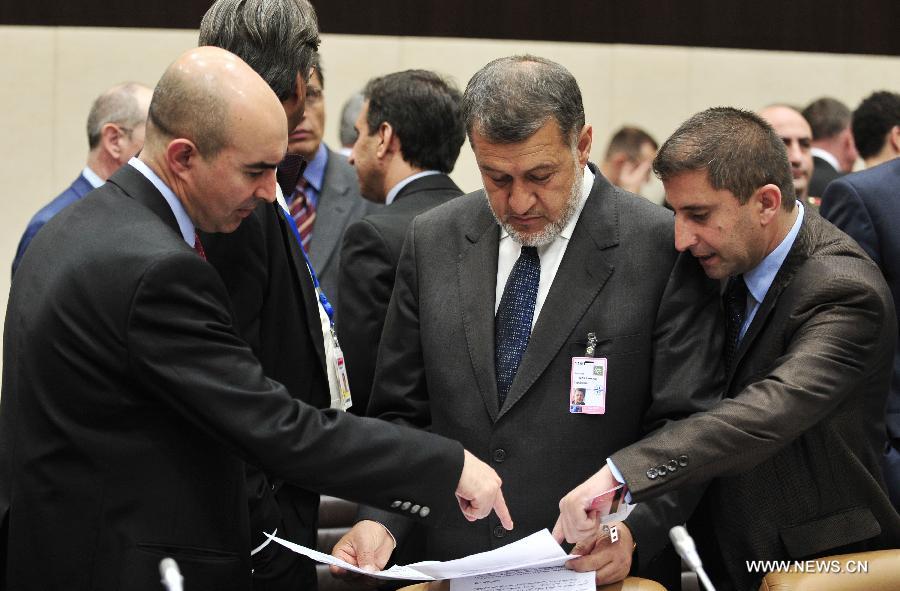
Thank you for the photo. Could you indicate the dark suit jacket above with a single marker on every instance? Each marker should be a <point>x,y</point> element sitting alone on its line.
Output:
<point>340,204</point>
<point>369,258</point>
<point>796,445</point>
<point>78,189</point>
<point>866,205</point>
<point>823,173</point>
<point>129,404</point>
<point>620,278</point>
<point>276,312</point>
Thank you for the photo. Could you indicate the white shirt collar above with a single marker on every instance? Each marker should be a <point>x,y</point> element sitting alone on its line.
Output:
<point>188,232</point>
<point>826,156</point>
<point>92,177</point>
<point>392,194</point>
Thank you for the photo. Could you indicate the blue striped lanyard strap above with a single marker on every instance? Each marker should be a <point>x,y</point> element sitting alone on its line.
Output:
<point>312,273</point>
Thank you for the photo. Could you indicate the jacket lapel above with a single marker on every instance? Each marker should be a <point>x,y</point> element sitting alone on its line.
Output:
<point>477,280</point>
<point>331,216</point>
<point>307,289</point>
<point>584,270</point>
<point>798,254</point>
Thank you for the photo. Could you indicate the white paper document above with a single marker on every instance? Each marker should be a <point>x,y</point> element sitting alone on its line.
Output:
<point>537,550</point>
<point>556,578</point>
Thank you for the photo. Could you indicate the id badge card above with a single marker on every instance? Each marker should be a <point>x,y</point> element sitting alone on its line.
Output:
<point>587,391</point>
<point>340,370</point>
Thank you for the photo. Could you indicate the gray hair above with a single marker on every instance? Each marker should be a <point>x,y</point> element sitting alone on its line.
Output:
<point>349,114</point>
<point>738,149</point>
<point>277,38</point>
<point>827,117</point>
<point>117,105</point>
<point>509,99</point>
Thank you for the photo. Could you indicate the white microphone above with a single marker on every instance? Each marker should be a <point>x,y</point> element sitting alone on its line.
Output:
<point>684,545</point>
<point>171,576</point>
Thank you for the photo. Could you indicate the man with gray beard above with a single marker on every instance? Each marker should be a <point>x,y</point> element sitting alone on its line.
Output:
<point>505,294</point>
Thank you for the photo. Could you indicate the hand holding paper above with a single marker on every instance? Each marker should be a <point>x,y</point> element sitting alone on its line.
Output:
<point>367,545</point>
<point>611,560</point>
<point>586,505</point>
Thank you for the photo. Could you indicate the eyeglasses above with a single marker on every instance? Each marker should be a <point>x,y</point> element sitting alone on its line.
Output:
<point>313,95</point>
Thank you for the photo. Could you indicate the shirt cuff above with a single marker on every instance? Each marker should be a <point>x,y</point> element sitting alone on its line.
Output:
<point>618,476</point>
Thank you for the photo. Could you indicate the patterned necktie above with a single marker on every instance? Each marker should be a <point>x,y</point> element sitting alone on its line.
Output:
<point>735,300</point>
<point>514,316</point>
<point>198,246</point>
<point>288,172</point>
<point>303,212</point>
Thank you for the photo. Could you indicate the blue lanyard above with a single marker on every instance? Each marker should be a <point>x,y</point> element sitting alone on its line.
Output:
<point>324,300</point>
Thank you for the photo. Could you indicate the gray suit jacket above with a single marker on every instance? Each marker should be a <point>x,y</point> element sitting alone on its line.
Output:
<point>796,444</point>
<point>621,279</point>
<point>340,204</point>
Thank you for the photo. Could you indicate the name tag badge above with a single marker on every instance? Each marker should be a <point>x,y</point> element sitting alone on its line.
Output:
<point>340,370</point>
<point>587,392</point>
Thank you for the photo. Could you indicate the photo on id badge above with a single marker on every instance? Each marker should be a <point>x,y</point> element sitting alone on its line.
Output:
<point>587,390</point>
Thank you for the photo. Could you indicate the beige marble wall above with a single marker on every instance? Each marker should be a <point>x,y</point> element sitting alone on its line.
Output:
<point>49,76</point>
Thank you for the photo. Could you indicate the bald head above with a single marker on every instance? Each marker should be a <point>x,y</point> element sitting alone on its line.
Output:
<point>204,96</point>
<point>796,134</point>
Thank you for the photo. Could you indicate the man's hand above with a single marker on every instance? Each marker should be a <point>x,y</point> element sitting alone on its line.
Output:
<point>611,560</point>
<point>634,175</point>
<point>367,545</point>
<point>479,491</point>
<point>577,521</point>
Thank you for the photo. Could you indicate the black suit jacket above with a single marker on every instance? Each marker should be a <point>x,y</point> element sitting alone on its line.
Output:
<point>866,205</point>
<point>796,444</point>
<point>369,258</point>
<point>621,279</point>
<point>823,173</point>
<point>276,312</point>
<point>129,403</point>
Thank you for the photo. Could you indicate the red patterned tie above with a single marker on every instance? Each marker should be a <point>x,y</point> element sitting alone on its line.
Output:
<point>198,246</point>
<point>303,212</point>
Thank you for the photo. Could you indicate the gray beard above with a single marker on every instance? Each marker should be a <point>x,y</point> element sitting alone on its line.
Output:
<point>552,229</point>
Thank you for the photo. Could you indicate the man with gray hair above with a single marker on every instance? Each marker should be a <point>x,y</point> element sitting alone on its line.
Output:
<point>269,281</point>
<point>501,295</point>
<point>833,149</point>
<point>115,129</point>
<point>349,113</point>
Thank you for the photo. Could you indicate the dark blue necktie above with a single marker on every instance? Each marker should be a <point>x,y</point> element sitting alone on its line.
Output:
<point>514,315</point>
<point>735,300</point>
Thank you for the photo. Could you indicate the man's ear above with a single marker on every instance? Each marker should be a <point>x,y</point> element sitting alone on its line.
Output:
<point>181,155</point>
<point>111,136</point>
<point>894,138</point>
<point>768,200</point>
<point>388,141</point>
<point>585,138</point>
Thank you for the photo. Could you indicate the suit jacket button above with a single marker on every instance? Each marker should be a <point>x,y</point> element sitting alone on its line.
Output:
<point>682,461</point>
<point>499,532</point>
<point>395,504</point>
<point>414,509</point>
<point>405,506</point>
<point>672,465</point>
<point>651,473</point>
<point>499,455</point>
<point>424,511</point>
<point>661,470</point>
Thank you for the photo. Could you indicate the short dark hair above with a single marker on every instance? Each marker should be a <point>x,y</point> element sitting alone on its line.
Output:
<point>423,108</point>
<point>510,98</point>
<point>629,140</point>
<point>739,151</point>
<point>875,116</point>
<point>827,117</point>
<point>277,38</point>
